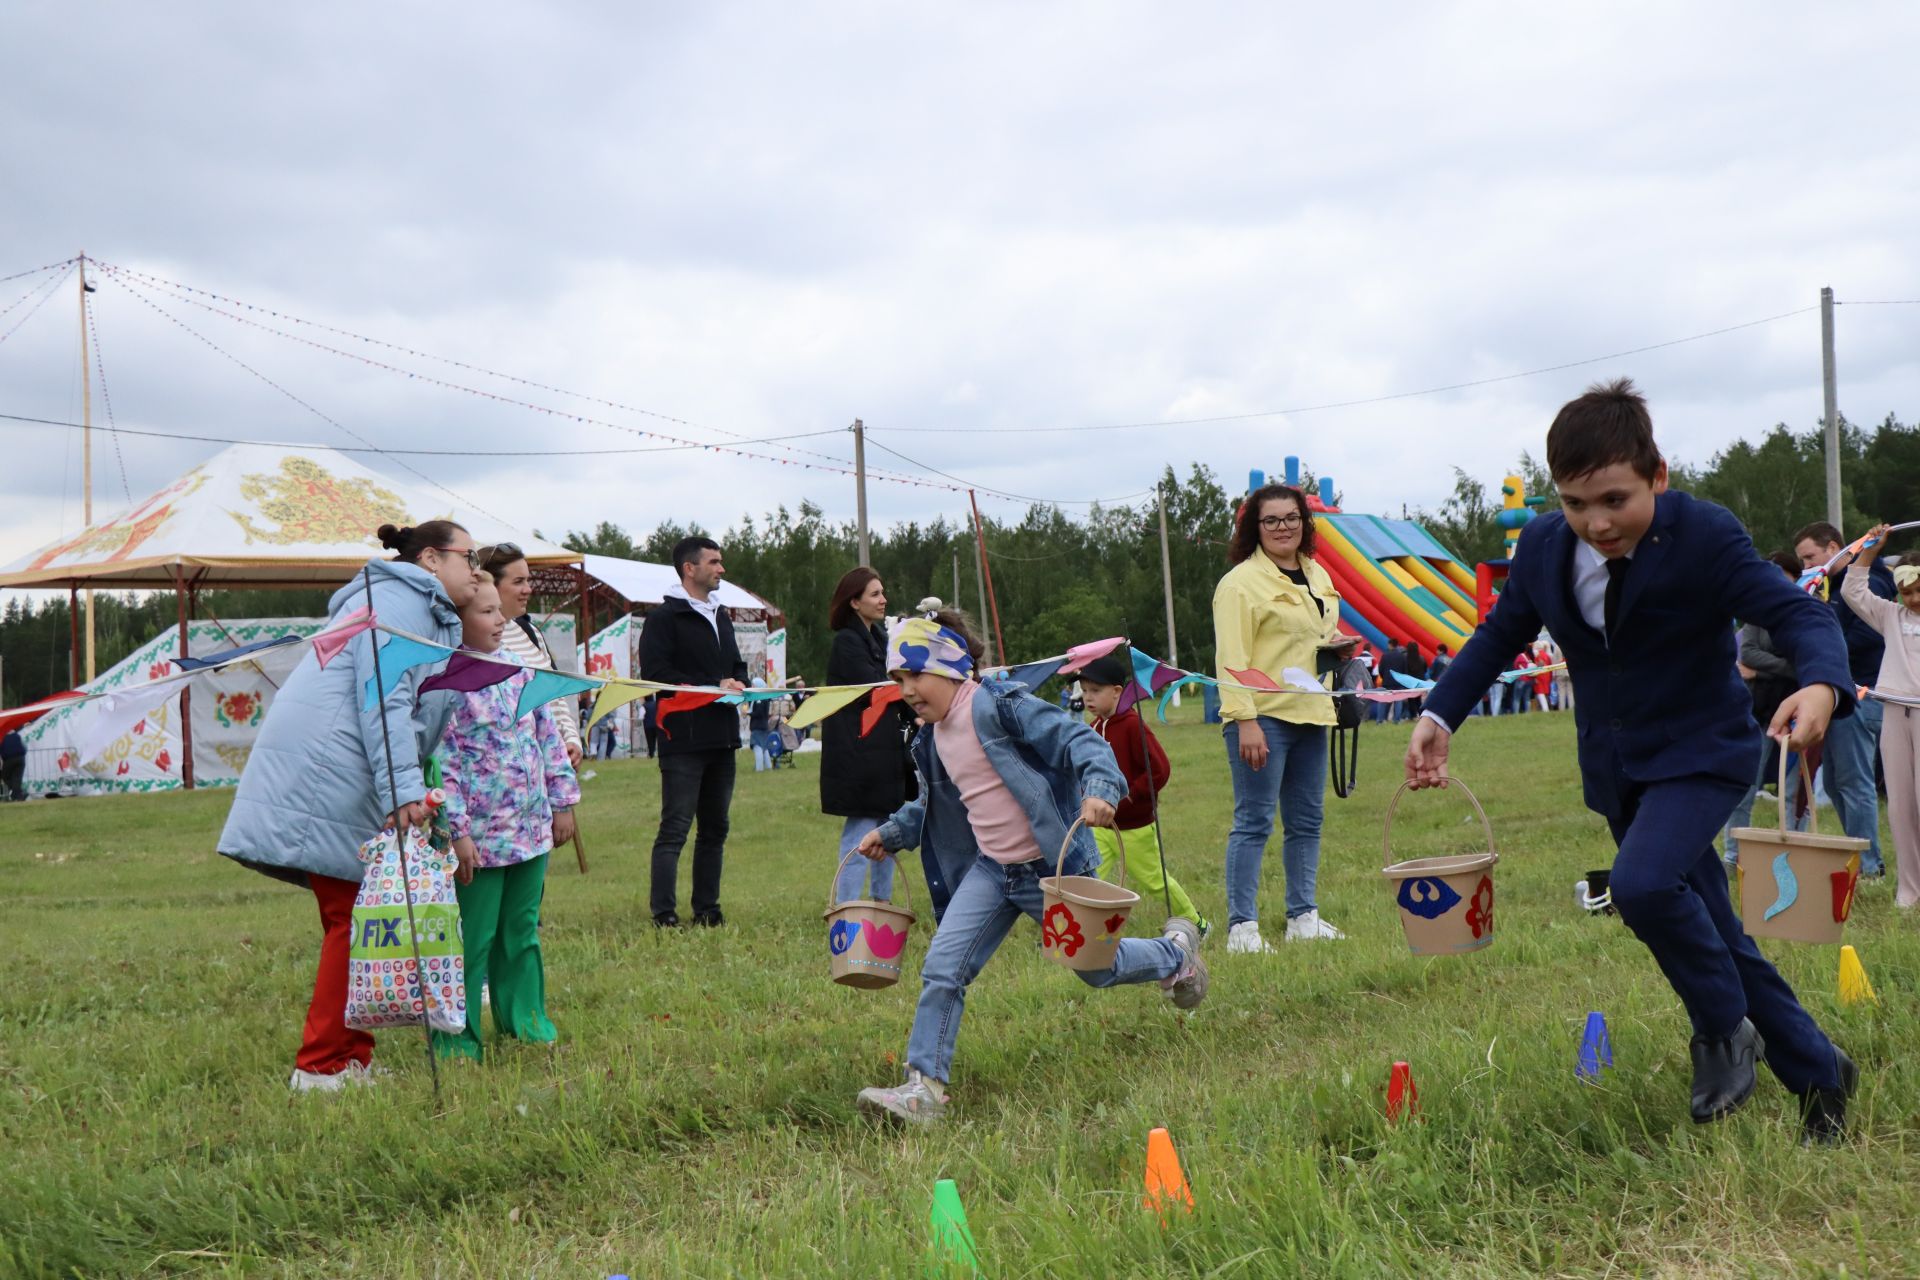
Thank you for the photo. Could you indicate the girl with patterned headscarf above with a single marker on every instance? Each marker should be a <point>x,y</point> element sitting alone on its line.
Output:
<point>1010,784</point>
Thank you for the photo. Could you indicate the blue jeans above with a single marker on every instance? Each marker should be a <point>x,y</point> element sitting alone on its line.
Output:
<point>1852,746</point>
<point>990,898</point>
<point>853,874</point>
<point>1295,780</point>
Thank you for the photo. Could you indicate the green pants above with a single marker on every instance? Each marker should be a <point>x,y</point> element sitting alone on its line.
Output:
<point>500,934</point>
<point>1144,870</point>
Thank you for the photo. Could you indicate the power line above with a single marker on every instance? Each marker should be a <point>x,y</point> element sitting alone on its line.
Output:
<point>1002,493</point>
<point>1876,302</point>
<point>1351,404</point>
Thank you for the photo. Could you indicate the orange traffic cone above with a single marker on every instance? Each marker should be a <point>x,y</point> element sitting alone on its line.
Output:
<point>1165,1182</point>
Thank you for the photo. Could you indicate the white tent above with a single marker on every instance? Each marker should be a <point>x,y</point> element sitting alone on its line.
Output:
<point>647,584</point>
<point>256,515</point>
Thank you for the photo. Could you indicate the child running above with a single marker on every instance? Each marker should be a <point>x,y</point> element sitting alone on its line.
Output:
<point>1006,775</point>
<point>1144,765</point>
<point>510,795</point>
<point>1899,626</point>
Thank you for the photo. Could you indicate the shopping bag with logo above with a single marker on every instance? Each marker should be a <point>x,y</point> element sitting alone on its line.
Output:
<point>383,988</point>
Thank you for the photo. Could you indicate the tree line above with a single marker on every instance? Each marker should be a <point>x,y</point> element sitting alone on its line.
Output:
<point>1057,580</point>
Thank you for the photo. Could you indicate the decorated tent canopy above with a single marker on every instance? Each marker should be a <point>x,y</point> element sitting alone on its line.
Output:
<point>643,584</point>
<point>255,516</point>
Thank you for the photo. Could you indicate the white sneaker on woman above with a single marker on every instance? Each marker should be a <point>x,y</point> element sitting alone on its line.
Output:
<point>1244,938</point>
<point>1309,927</point>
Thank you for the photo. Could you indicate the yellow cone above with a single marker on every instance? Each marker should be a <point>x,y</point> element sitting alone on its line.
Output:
<point>1854,986</point>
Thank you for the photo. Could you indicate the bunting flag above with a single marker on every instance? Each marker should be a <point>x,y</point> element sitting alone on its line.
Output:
<point>1389,695</point>
<point>614,695</point>
<point>399,655</point>
<point>545,686</point>
<point>1166,694</point>
<point>232,655</point>
<point>328,644</point>
<point>1256,680</point>
<point>137,711</point>
<point>686,700</point>
<point>1411,682</point>
<point>1081,654</point>
<point>1298,678</point>
<point>825,702</point>
<point>883,698</point>
<point>1035,674</point>
<point>1150,676</point>
<point>467,673</point>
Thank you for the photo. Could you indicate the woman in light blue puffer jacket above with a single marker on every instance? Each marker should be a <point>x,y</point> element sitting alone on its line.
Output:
<point>315,787</point>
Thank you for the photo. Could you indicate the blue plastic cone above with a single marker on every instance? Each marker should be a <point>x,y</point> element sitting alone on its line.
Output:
<point>1596,1047</point>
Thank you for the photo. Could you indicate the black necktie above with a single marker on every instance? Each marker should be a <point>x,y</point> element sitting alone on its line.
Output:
<point>1616,582</point>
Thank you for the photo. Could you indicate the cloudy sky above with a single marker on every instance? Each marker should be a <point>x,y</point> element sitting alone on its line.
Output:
<point>766,220</point>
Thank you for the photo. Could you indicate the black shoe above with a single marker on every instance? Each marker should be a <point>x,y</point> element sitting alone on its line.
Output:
<point>1723,1072</point>
<point>666,920</point>
<point>1823,1112</point>
<point>710,919</point>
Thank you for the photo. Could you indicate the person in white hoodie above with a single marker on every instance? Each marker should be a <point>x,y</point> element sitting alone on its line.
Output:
<point>1899,626</point>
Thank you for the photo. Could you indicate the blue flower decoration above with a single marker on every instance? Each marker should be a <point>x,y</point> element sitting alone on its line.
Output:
<point>841,936</point>
<point>1427,897</point>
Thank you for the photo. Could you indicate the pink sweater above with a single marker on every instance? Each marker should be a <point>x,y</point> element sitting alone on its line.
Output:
<point>1898,625</point>
<point>1000,826</point>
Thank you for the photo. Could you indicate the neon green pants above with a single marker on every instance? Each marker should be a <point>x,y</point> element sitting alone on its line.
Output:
<point>500,936</point>
<point>1144,870</point>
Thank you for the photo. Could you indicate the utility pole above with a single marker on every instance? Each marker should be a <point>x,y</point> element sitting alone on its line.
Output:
<point>956,578</point>
<point>860,487</point>
<point>1166,581</point>
<point>86,444</point>
<point>1833,407</point>
<point>986,572</point>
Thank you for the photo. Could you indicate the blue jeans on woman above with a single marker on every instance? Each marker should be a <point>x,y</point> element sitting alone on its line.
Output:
<point>989,899</point>
<point>1295,780</point>
<point>853,871</point>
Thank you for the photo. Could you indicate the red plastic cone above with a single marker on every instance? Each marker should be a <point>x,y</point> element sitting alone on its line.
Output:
<point>1403,1099</point>
<point>1165,1182</point>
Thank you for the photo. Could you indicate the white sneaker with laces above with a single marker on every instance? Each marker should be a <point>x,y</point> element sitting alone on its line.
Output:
<point>1244,939</point>
<point>1309,927</point>
<point>918,1101</point>
<point>317,1082</point>
<point>1188,986</point>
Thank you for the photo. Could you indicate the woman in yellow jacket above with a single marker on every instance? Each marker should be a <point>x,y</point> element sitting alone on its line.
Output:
<point>1274,609</point>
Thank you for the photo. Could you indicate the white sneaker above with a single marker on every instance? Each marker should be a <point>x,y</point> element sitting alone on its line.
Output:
<point>365,1073</point>
<point>1187,987</point>
<point>1309,927</point>
<point>317,1082</point>
<point>1244,938</point>
<point>915,1102</point>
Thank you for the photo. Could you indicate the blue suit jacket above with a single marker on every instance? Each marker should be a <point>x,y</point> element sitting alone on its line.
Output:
<point>1665,701</point>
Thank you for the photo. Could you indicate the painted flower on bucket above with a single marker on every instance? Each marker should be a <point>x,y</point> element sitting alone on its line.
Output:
<point>1067,937</point>
<point>1480,913</point>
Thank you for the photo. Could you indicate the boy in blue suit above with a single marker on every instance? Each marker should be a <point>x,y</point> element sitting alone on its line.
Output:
<point>1640,585</point>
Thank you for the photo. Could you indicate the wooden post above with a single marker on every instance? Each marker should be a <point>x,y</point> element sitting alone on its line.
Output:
<point>73,636</point>
<point>180,591</point>
<point>986,570</point>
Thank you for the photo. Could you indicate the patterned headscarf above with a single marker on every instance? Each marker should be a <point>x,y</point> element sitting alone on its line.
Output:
<point>923,645</point>
<point>1904,574</point>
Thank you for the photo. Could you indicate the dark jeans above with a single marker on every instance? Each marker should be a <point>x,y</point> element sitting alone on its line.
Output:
<point>12,775</point>
<point>693,784</point>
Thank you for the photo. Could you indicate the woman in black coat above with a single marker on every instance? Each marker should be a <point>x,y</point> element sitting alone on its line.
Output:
<point>862,779</point>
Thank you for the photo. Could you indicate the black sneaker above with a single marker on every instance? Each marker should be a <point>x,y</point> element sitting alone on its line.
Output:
<point>666,920</point>
<point>1823,1112</point>
<point>710,919</point>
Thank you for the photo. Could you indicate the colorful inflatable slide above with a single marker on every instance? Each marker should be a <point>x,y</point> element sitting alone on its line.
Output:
<point>1396,582</point>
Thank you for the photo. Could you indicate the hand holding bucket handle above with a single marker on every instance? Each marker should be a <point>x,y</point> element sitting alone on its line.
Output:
<point>851,854</point>
<point>1119,844</point>
<point>1394,804</point>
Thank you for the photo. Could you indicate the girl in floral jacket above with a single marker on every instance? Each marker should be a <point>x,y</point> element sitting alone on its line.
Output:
<point>510,797</point>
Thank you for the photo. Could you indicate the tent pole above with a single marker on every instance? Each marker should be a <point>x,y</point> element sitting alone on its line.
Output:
<point>186,690</point>
<point>73,635</point>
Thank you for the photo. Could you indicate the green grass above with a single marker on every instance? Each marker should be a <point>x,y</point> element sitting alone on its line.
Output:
<point>698,1116</point>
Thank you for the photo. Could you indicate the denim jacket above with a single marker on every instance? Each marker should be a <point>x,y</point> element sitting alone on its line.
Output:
<point>1049,760</point>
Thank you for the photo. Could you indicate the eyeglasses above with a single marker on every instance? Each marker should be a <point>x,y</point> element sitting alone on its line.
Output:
<point>476,556</point>
<point>1281,522</point>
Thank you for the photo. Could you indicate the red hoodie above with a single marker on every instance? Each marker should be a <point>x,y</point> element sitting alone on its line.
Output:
<point>1123,733</point>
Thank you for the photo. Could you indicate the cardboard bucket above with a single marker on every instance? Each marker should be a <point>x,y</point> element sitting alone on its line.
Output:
<point>1796,885</point>
<point>1082,917</point>
<point>866,940</point>
<point>1446,904</point>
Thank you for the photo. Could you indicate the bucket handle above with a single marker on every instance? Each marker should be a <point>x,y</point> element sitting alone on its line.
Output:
<point>899,881</point>
<point>1806,782</point>
<point>1394,804</point>
<point>1119,844</point>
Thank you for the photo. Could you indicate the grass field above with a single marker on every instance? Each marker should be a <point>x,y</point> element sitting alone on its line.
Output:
<point>697,1118</point>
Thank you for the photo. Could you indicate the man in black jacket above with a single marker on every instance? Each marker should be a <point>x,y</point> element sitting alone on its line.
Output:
<point>688,640</point>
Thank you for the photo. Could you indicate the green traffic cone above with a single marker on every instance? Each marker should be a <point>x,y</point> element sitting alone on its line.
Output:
<point>952,1240</point>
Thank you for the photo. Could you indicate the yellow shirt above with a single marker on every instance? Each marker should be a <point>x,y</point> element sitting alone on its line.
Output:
<point>1264,621</point>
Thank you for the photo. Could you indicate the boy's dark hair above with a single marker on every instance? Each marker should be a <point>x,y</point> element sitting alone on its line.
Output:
<point>1441,649</point>
<point>687,551</point>
<point>1787,562</point>
<point>411,540</point>
<point>1821,532</point>
<point>1246,526</point>
<point>853,584</point>
<point>1607,425</point>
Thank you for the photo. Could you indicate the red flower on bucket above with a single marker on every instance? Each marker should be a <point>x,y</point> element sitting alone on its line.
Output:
<point>1480,911</point>
<point>1069,939</point>
<point>1115,921</point>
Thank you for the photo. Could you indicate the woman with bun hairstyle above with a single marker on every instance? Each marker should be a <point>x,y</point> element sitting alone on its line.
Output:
<point>315,788</point>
